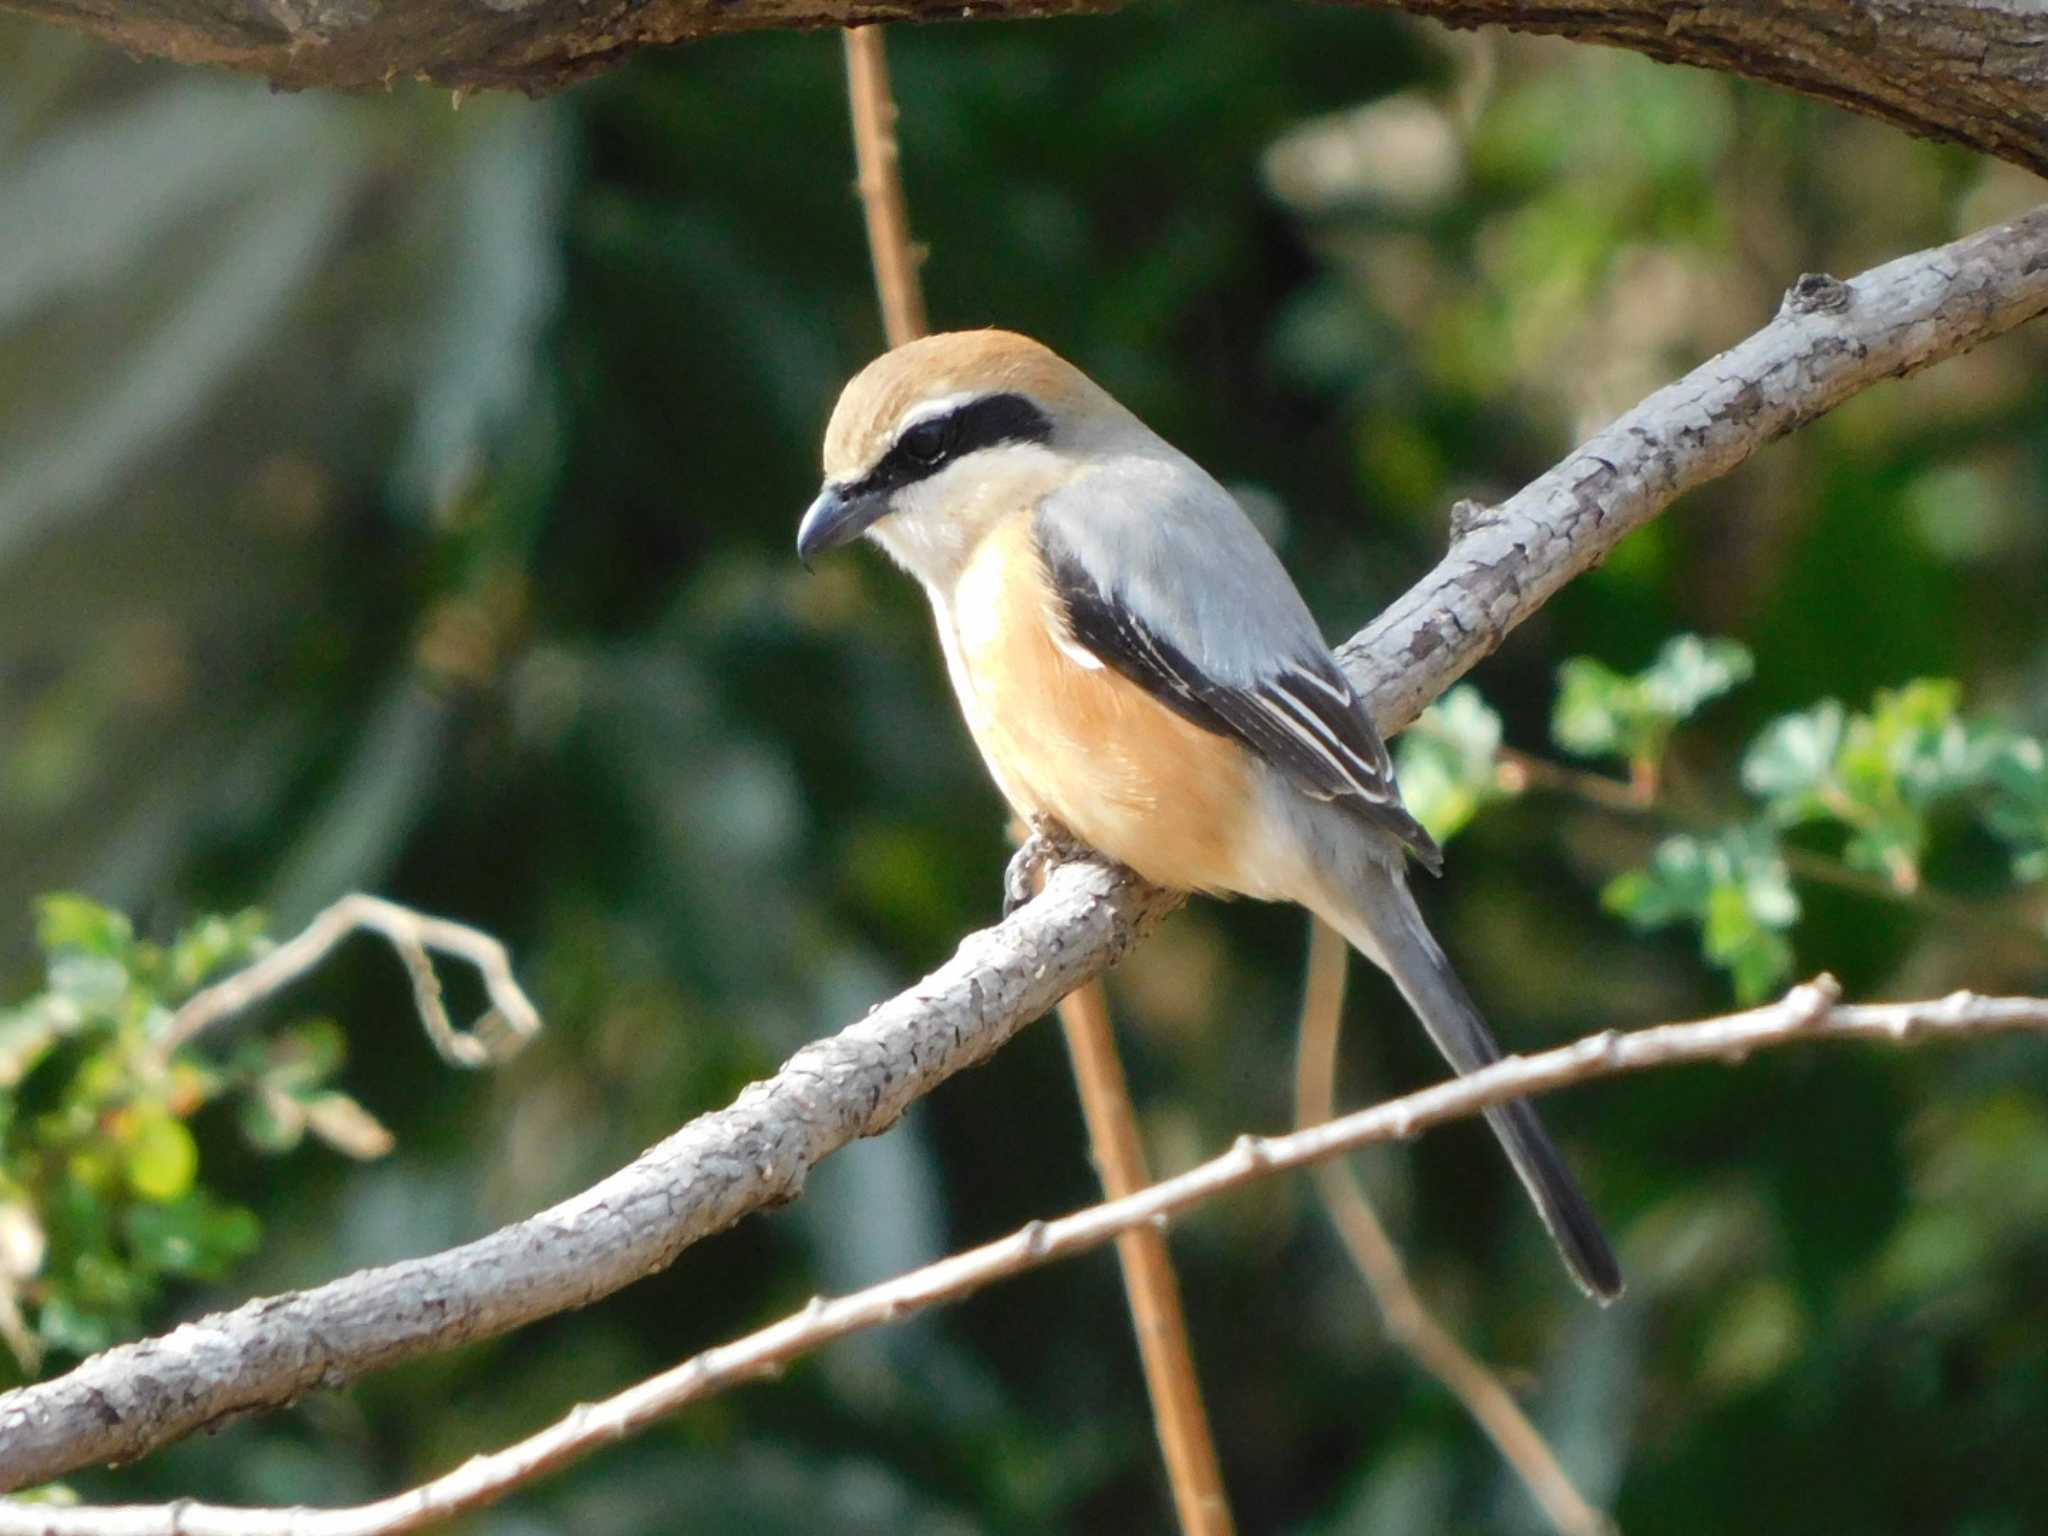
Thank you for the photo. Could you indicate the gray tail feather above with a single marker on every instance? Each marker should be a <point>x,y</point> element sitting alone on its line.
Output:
<point>1389,930</point>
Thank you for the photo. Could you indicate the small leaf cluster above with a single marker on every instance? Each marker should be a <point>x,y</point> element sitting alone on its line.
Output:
<point>101,1198</point>
<point>1886,773</point>
<point>1882,778</point>
<point>1604,713</point>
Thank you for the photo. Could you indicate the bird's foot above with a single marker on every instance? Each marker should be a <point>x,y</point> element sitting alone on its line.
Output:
<point>1046,845</point>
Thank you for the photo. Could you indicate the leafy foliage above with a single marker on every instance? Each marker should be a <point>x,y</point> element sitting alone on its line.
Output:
<point>1880,777</point>
<point>1735,886</point>
<point>1885,773</point>
<point>1447,762</point>
<point>1602,713</point>
<point>101,1201</point>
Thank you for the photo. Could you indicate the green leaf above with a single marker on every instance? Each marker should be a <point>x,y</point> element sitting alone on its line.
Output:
<point>1690,671</point>
<point>67,921</point>
<point>1735,886</point>
<point>91,983</point>
<point>1446,762</point>
<point>1593,706</point>
<point>2017,812</point>
<point>26,1037</point>
<point>162,1159</point>
<point>1789,764</point>
<point>211,945</point>
<point>1674,888</point>
<point>1602,713</point>
<point>1881,773</point>
<point>195,1236</point>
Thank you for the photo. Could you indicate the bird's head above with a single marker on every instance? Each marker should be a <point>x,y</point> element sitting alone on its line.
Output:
<point>934,442</point>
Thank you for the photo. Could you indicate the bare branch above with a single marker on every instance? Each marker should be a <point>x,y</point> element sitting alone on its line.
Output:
<point>882,202</point>
<point>1165,1351</point>
<point>511,1021</point>
<point>1974,72</point>
<point>1829,340</point>
<point>1409,1321</point>
<point>1810,1012</point>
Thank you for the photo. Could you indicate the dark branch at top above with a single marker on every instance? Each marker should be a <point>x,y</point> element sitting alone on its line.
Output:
<point>1972,72</point>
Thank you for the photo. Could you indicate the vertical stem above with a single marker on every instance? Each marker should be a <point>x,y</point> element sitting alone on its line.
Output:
<point>1149,1282</point>
<point>1409,1322</point>
<point>1153,1292</point>
<point>881,186</point>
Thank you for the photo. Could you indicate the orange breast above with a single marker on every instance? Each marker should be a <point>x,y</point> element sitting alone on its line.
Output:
<point>1082,744</point>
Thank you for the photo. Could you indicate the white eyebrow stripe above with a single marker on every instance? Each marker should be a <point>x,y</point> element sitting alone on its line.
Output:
<point>926,410</point>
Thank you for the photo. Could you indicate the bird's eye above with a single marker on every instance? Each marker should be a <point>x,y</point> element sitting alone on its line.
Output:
<point>927,442</point>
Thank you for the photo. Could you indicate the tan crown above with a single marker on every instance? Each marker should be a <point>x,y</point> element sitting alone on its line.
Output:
<point>876,399</point>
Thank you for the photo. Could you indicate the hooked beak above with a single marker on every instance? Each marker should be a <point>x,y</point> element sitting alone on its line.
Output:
<point>835,519</point>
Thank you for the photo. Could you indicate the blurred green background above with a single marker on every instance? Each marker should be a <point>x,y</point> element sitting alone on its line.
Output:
<point>401,498</point>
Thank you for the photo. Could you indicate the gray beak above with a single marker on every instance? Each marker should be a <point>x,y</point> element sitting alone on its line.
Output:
<point>835,519</point>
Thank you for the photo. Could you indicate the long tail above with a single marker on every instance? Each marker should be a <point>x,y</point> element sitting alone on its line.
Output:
<point>1382,923</point>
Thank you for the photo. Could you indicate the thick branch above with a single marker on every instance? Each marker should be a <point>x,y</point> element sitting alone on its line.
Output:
<point>1974,72</point>
<point>1829,340</point>
<point>1809,1012</point>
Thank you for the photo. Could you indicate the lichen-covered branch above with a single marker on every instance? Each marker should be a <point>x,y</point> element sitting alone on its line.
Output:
<point>1973,72</point>
<point>1811,1012</point>
<point>1828,341</point>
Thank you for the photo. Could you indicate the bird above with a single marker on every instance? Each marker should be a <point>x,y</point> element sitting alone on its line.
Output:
<point>1142,676</point>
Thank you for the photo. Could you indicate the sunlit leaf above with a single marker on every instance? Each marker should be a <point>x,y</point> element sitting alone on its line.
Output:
<point>2018,809</point>
<point>162,1158</point>
<point>1690,671</point>
<point>1447,762</point>
<point>1601,712</point>
<point>1734,886</point>
<point>1793,759</point>
<point>65,921</point>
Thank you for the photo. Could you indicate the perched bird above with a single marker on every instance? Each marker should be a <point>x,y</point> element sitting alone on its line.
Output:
<point>1138,670</point>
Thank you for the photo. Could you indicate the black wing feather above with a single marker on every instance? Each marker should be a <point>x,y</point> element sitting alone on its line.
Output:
<point>1304,718</point>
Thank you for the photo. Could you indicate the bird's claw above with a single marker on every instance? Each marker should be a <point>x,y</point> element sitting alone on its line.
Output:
<point>1046,845</point>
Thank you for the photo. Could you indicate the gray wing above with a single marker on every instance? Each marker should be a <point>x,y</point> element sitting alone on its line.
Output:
<point>1163,579</point>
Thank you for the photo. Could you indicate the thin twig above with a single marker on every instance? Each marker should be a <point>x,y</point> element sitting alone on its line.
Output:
<point>504,1027</point>
<point>1150,1286</point>
<point>1409,1322</point>
<point>1165,1353</point>
<point>881,186</point>
<point>1808,1012</point>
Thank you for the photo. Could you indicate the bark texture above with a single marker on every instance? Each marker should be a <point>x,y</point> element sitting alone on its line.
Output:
<point>1973,72</point>
<point>1828,340</point>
